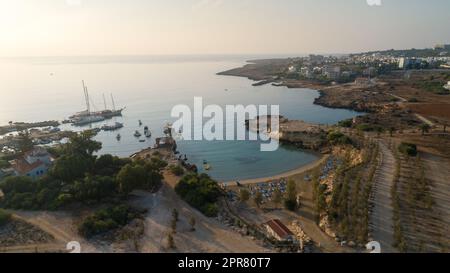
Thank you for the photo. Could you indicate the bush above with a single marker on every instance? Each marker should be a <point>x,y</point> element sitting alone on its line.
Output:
<point>5,217</point>
<point>3,164</point>
<point>408,149</point>
<point>346,123</point>
<point>176,170</point>
<point>337,138</point>
<point>365,127</point>
<point>290,204</point>
<point>106,220</point>
<point>201,192</point>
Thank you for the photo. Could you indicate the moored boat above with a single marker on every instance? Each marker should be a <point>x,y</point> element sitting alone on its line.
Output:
<point>114,127</point>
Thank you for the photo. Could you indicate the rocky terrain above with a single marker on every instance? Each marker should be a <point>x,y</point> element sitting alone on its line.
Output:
<point>18,232</point>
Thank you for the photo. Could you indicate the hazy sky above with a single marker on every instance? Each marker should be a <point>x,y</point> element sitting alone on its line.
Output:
<point>110,27</point>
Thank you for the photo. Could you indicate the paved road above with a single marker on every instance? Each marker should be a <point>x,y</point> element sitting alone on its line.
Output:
<point>381,223</point>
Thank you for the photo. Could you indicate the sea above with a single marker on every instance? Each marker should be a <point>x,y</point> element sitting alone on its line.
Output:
<point>148,87</point>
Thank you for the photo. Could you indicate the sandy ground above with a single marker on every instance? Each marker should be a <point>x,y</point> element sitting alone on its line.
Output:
<point>60,225</point>
<point>297,171</point>
<point>381,218</point>
<point>210,236</point>
<point>438,170</point>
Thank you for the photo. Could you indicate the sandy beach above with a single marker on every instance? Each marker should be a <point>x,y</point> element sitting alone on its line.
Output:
<point>297,171</point>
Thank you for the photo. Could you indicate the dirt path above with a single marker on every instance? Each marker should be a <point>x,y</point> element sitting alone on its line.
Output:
<point>381,218</point>
<point>210,236</point>
<point>58,224</point>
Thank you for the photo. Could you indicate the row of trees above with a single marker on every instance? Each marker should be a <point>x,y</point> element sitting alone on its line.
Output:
<point>290,199</point>
<point>80,176</point>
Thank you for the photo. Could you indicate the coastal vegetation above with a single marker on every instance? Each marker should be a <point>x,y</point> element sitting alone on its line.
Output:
<point>341,193</point>
<point>338,138</point>
<point>5,217</point>
<point>201,192</point>
<point>176,170</point>
<point>107,219</point>
<point>78,175</point>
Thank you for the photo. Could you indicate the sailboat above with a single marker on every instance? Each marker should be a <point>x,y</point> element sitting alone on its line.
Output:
<point>86,117</point>
<point>105,114</point>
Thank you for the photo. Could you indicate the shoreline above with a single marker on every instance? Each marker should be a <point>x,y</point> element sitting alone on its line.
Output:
<point>267,179</point>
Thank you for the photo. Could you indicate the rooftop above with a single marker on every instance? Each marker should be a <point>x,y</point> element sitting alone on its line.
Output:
<point>279,228</point>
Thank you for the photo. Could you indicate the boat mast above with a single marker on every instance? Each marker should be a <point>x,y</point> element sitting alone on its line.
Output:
<point>86,96</point>
<point>113,104</point>
<point>104,101</point>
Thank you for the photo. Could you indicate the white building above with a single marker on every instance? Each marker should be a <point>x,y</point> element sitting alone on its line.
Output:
<point>34,163</point>
<point>292,69</point>
<point>331,72</point>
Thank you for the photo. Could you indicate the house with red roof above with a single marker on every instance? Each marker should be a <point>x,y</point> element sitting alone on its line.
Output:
<point>34,163</point>
<point>279,231</point>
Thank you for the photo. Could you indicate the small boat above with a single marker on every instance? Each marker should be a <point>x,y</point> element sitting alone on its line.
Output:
<point>207,167</point>
<point>118,137</point>
<point>141,140</point>
<point>148,134</point>
<point>114,127</point>
<point>140,123</point>
<point>137,134</point>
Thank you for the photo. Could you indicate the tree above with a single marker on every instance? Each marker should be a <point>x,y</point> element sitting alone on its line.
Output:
<point>175,214</point>
<point>244,195</point>
<point>170,241</point>
<point>291,200</point>
<point>291,190</point>
<point>25,143</point>
<point>425,128</point>
<point>391,131</point>
<point>173,225</point>
<point>201,192</point>
<point>82,144</point>
<point>258,199</point>
<point>277,197</point>
<point>192,223</point>
<point>138,175</point>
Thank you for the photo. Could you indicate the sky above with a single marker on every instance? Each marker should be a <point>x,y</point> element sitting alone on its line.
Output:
<point>179,27</point>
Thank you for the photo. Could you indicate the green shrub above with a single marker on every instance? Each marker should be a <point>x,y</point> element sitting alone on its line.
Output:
<point>106,220</point>
<point>290,204</point>
<point>5,217</point>
<point>365,127</point>
<point>201,192</point>
<point>176,170</point>
<point>408,149</point>
<point>338,138</point>
<point>346,123</point>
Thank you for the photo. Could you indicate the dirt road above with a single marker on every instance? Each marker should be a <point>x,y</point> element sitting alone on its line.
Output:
<point>210,235</point>
<point>381,218</point>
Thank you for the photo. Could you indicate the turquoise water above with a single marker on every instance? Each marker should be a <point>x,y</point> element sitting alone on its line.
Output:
<point>50,88</point>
